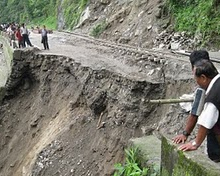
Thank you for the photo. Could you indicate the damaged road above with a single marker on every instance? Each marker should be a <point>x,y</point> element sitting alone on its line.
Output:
<point>71,110</point>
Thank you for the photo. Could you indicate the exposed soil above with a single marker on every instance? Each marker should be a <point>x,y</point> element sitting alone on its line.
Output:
<point>73,114</point>
<point>136,22</point>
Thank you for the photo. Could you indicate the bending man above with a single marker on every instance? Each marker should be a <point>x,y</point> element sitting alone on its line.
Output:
<point>207,77</point>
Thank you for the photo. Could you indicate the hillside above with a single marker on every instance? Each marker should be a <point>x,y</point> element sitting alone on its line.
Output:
<point>127,22</point>
<point>163,24</point>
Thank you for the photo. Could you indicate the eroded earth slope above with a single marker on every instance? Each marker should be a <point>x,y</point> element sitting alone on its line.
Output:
<point>71,110</point>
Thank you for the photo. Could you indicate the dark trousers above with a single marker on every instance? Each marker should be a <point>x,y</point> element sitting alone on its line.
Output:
<point>45,42</point>
<point>26,39</point>
<point>20,44</point>
<point>213,147</point>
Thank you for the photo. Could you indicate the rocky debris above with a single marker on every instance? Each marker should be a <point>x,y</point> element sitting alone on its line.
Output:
<point>105,1</point>
<point>174,41</point>
<point>54,149</point>
<point>137,23</point>
<point>129,22</point>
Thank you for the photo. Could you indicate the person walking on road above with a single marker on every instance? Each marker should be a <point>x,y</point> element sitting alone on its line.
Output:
<point>44,39</point>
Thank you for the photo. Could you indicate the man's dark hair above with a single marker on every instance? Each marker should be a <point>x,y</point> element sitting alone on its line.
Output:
<point>206,68</point>
<point>198,55</point>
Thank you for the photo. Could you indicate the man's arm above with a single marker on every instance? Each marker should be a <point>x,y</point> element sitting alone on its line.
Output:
<point>202,132</point>
<point>206,120</point>
<point>196,110</point>
<point>190,124</point>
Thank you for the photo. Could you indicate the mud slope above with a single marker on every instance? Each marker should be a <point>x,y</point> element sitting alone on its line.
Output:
<point>63,118</point>
<point>136,22</point>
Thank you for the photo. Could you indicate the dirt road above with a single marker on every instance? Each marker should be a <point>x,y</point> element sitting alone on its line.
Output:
<point>84,51</point>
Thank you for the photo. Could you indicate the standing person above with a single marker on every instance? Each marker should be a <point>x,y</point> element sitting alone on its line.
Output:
<point>193,116</point>
<point>19,37</point>
<point>25,35</point>
<point>44,39</point>
<point>11,33</point>
<point>207,77</point>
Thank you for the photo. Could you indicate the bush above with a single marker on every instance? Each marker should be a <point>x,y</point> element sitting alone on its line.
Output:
<point>73,11</point>
<point>98,29</point>
<point>132,166</point>
<point>196,16</point>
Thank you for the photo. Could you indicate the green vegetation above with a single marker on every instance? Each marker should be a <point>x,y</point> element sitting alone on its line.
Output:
<point>29,11</point>
<point>179,163</point>
<point>50,22</point>
<point>197,17</point>
<point>132,166</point>
<point>38,12</point>
<point>98,29</point>
<point>73,11</point>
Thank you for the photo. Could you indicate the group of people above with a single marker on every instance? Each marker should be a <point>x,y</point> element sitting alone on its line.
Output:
<point>207,78</point>
<point>21,34</point>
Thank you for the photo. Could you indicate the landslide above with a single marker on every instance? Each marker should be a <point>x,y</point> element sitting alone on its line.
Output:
<point>134,22</point>
<point>62,117</point>
<point>73,114</point>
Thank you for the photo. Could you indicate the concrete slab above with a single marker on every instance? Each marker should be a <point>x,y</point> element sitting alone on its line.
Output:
<point>150,149</point>
<point>191,163</point>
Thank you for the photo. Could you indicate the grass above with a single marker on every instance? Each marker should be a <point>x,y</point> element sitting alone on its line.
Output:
<point>98,29</point>
<point>132,166</point>
<point>73,11</point>
<point>49,22</point>
<point>196,17</point>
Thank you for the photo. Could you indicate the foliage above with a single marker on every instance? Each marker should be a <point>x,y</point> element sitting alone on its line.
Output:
<point>24,10</point>
<point>50,22</point>
<point>98,29</point>
<point>28,11</point>
<point>38,12</point>
<point>196,17</point>
<point>131,166</point>
<point>72,11</point>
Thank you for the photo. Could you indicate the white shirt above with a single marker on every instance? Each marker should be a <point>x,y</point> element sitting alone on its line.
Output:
<point>210,113</point>
<point>24,30</point>
<point>44,32</point>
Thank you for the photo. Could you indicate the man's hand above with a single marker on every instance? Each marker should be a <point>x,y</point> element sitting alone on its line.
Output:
<point>179,139</point>
<point>187,147</point>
